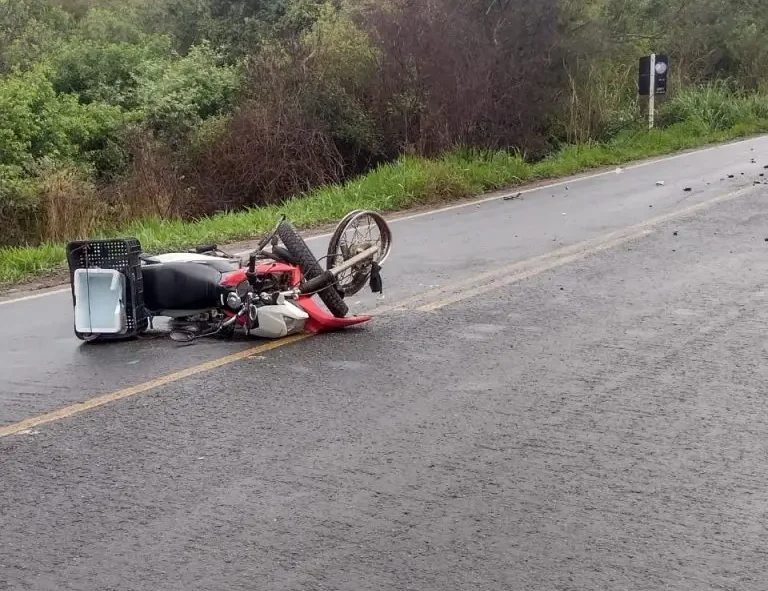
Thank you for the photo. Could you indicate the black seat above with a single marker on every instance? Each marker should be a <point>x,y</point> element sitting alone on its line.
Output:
<point>180,286</point>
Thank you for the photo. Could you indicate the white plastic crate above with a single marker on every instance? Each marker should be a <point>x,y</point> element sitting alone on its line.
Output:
<point>99,301</point>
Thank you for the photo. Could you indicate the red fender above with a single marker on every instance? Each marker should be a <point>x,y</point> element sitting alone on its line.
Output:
<point>322,321</point>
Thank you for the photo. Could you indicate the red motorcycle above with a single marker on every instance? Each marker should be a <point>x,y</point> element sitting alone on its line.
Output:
<point>118,291</point>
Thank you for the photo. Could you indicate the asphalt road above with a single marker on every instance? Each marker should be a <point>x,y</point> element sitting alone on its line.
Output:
<point>561,402</point>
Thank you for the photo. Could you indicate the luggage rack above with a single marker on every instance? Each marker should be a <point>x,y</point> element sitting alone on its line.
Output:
<point>107,274</point>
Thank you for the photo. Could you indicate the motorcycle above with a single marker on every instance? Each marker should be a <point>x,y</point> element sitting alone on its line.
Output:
<point>118,290</point>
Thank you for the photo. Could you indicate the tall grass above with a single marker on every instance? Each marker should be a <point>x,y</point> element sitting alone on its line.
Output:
<point>716,106</point>
<point>602,101</point>
<point>692,118</point>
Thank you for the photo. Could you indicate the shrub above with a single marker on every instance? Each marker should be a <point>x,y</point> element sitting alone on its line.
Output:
<point>341,64</point>
<point>467,72</point>
<point>37,123</point>
<point>29,29</point>
<point>118,24</point>
<point>187,22</point>
<point>601,102</point>
<point>153,185</point>
<point>327,75</point>
<point>177,96</point>
<point>69,206</point>
<point>269,153</point>
<point>108,72</point>
<point>20,217</point>
<point>39,131</point>
<point>240,27</point>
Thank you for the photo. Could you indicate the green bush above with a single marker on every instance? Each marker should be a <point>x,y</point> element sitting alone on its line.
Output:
<point>187,22</point>
<point>342,66</point>
<point>177,96</point>
<point>108,72</point>
<point>36,123</point>
<point>118,24</point>
<point>28,30</point>
<point>326,76</point>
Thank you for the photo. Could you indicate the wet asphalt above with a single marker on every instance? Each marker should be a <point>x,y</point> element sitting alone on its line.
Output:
<point>596,426</point>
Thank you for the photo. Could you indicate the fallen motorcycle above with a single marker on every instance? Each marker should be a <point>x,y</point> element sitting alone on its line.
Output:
<point>118,290</point>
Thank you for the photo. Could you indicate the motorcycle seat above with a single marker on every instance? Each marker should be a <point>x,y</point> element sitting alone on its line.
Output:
<point>181,286</point>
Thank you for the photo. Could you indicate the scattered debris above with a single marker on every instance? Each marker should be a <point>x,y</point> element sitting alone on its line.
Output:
<point>674,233</point>
<point>688,189</point>
<point>512,197</point>
<point>753,161</point>
<point>660,183</point>
<point>766,166</point>
<point>619,170</point>
<point>565,214</point>
<point>562,289</point>
<point>730,176</point>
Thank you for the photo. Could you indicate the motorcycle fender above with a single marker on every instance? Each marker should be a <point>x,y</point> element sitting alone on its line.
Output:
<point>279,321</point>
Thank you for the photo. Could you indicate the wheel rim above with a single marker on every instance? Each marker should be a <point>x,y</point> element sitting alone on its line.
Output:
<point>357,233</point>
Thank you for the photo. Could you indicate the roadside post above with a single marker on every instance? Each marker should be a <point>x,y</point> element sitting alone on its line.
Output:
<point>653,81</point>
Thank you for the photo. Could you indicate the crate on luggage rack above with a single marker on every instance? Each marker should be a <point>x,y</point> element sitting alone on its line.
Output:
<point>122,255</point>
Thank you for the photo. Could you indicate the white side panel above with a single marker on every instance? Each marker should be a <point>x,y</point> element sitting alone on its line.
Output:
<point>279,321</point>
<point>99,301</point>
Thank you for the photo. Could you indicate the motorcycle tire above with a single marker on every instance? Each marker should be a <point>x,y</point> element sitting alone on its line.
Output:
<point>311,268</point>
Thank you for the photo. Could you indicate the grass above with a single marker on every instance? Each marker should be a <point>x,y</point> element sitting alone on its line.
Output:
<point>415,181</point>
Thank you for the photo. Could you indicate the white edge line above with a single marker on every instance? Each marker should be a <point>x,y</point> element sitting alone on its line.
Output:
<point>480,201</point>
<point>36,296</point>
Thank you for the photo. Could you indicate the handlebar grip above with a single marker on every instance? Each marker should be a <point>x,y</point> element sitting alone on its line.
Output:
<point>318,283</point>
<point>205,248</point>
<point>252,264</point>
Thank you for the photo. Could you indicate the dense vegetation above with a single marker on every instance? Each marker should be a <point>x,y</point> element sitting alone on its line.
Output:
<point>118,111</point>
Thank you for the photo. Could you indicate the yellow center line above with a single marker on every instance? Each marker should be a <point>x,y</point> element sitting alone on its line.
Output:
<point>525,274</point>
<point>509,274</point>
<point>429,301</point>
<point>80,407</point>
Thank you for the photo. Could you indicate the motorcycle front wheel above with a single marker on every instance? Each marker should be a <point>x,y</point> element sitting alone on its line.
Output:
<point>311,268</point>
